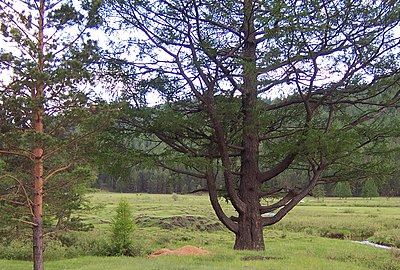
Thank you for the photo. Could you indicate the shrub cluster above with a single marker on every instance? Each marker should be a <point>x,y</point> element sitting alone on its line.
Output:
<point>68,244</point>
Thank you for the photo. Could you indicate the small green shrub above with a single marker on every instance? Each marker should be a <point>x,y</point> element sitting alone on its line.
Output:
<point>122,228</point>
<point>54,250</point>
<point>20,249</point>
<point>68,239</point>
<point>97,243</point>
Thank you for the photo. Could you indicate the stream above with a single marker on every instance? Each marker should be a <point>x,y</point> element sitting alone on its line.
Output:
<point>375,245</point>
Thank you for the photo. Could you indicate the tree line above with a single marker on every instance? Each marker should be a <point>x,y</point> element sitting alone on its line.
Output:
<point>164,182</point>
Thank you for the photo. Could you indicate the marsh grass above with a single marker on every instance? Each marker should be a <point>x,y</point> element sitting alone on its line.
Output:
<point>303,240</point>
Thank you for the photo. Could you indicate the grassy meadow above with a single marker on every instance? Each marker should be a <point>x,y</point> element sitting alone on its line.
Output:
<point>317,234</point>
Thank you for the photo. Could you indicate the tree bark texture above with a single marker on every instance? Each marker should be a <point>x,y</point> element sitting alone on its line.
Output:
<point>37,209</point>
<point>37,172</point>
<point>250,229</point>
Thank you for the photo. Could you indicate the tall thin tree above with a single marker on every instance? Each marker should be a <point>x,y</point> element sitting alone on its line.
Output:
<point>45,60</point>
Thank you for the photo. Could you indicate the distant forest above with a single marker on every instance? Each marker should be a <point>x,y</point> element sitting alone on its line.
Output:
<point>164,182</point>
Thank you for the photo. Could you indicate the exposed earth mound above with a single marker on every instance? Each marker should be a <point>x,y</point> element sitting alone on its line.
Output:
<point>185,251</point>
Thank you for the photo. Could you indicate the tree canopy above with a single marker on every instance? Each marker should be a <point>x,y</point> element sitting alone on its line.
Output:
<point>253,89</point>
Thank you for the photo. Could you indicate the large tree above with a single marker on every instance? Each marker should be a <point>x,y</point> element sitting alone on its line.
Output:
<point>45,59</point>
<point>253,89</point>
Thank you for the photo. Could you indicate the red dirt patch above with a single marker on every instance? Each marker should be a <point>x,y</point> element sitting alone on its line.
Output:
<point>184,251</point>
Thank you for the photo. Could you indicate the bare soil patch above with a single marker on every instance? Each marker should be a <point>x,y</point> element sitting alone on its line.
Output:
<point>183,251</point>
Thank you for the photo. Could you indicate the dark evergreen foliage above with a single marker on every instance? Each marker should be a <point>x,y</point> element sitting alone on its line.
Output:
<point>332,71</point>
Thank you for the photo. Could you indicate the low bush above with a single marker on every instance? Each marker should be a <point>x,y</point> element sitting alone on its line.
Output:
<point>88,244</point>
<point>17,250</point>
<point>69,245</point>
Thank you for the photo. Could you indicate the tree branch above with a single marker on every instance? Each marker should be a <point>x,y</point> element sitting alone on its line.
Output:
<point>279,168</point>
<point>180,171</point>
<point>212,192</point>
<point>12,152</point>
<point>295,200</point>
<point>58,170</point>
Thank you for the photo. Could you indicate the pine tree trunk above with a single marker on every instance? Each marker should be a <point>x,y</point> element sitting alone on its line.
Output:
<point>250,229</point>
<point>37,172</point>
<point>38,239</point>
<point>59,221</point>
<point>37,209</point>
<point>250,235</point>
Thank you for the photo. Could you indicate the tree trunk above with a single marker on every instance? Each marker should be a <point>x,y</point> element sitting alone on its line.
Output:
<point>37,209</point>
<point>38,243</point>
<point>59,221</point>
<point>250,234</point>
<point>250,229</point>
<point>37,172</point>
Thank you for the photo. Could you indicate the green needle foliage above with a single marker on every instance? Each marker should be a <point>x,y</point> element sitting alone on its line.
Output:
<point>329,68</point>
<point>122,228</point>
<point>47,61</point>
<point>343,190</point>
<point>370,189</point>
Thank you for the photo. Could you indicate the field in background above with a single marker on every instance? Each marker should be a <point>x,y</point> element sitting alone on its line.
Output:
<point>317,234</point>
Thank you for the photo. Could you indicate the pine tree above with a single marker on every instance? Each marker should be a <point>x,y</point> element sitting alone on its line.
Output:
<point>332,66</point>
<point>122,228</point>
<point>319,192</point>
<point>343,190</point>
<point>45,62</point>
<point>370,189</point>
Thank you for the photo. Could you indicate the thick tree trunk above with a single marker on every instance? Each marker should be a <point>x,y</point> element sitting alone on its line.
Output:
<point>250,232</point>
<point>250,228</point>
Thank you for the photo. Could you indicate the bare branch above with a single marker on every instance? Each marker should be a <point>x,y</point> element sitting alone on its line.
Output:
<point>26,222</point>
<point>56,171</point>
<point>12,152</point>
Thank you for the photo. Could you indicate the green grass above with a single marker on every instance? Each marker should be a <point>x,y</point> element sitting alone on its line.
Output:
<point>294,243</point>
<point>301,253</point>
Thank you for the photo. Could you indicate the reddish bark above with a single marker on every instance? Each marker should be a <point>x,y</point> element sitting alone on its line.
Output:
<point>37,172</point>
